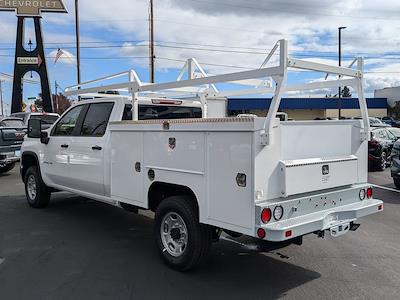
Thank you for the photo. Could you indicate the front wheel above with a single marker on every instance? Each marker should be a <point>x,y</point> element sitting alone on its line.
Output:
<point>182,241</point>
<point>37,193</point>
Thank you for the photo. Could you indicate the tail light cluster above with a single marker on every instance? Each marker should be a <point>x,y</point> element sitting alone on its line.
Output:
<point>373,143</point>
<point>267,214</point>
<point>366,193</point>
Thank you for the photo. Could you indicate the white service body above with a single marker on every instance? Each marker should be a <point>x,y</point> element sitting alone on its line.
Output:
<point>310,175</point>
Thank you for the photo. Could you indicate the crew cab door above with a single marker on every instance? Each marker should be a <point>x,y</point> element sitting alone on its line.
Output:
<point>87,149</point>
<point>56,156</point>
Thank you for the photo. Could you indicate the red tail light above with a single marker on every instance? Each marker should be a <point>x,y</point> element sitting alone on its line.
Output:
<point>373,143</point>
<point>370,192</point>
<point>266,215</point>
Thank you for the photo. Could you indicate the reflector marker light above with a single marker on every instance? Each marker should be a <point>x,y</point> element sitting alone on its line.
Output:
<point>261,233</point>
<point>288,233</point>
<point>380,207</point>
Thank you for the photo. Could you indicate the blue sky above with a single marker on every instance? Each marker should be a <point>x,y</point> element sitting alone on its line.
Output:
<point>233,33</point>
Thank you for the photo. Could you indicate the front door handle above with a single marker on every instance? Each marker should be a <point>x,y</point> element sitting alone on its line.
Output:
<point>96,148</point>
<point>64,146</point>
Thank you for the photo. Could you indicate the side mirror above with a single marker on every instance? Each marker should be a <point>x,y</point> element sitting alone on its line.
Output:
<point>44,137</point>
<point>34,128</point>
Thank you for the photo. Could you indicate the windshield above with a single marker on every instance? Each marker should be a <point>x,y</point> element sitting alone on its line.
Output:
<point>12,123</point>
<point>46,119</point>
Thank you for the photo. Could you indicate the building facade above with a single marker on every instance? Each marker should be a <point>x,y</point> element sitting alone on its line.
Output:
<point>309,108</point>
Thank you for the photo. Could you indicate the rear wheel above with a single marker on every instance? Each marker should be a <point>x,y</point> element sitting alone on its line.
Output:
<point>37,193</point>
<point>7,168</point>
<point>182,241</point>
<point>397,182</point>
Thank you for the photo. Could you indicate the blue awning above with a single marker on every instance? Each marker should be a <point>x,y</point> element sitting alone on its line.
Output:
<point>303,103</point>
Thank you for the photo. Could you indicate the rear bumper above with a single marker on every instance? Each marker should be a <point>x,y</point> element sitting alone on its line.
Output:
<point>317,212</point>
<point>322,220</point>
<point>10,157</point>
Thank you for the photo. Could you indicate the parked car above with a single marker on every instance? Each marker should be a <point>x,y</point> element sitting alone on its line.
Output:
<point>395,131</point>
<point>374,122</point>
<point>12,132</point>
<point>395,170</point>
<point>48,119</point>
<point>391,121</point>
<point>380,147</point>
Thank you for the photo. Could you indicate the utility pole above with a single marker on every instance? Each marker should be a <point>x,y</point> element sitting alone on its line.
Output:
<point>1,99</point>
<point>151,45</point>
<point>340,64</point>
<point>78,43</point>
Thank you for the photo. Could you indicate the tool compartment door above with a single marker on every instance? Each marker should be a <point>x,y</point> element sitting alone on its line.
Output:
<point>126,180</point>
<point>307,175</point>
<point>229,205</point>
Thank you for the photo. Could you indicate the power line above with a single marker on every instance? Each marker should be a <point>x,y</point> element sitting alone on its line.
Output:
<point>265,51</point>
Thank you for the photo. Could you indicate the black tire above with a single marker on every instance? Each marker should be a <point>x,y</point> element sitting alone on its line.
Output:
<point>41,197</point>
<point>7,168</point>
<point>383,162</point>
<point>397,182</point>
<point>199,236</point>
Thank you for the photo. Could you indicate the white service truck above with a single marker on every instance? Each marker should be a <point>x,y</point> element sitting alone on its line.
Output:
<point>202,172</point>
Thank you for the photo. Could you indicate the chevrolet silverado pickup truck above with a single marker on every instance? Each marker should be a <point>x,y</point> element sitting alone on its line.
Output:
<point>202,172</point>
<point>12,134</point>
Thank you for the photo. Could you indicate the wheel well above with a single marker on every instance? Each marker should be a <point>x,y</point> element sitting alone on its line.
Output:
<point>158,191</point>
<point>27,161</point>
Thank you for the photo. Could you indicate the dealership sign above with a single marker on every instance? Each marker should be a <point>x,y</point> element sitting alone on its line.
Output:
<point>32,8</point>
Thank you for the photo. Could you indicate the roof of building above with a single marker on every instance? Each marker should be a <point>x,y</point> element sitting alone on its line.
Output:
<point>303,103</point>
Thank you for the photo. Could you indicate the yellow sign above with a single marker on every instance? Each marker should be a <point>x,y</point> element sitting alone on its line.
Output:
<point>32,8</point>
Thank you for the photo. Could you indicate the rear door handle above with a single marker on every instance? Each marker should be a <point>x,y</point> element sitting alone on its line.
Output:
<point>96,148</point>
<point>64,146</point>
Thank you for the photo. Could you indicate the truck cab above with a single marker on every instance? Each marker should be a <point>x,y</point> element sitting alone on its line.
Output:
<point>75,156</point>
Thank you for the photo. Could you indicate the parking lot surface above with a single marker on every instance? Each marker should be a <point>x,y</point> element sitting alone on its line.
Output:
<point>82,249</point>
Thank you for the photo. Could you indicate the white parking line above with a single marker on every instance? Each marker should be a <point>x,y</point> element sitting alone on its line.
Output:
<point>385,188</point>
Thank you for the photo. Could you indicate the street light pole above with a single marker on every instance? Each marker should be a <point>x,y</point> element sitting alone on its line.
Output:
<point>78,46</point>
<point>340,64</point>
<point>1,99</point>
<point>151,38</point>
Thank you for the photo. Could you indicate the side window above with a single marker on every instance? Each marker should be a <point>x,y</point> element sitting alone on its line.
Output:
<point>127,116</point>
<point>96,119</point>
<point>68,123</point>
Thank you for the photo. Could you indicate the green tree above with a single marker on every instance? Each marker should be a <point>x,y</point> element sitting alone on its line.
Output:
<point>346,92</point>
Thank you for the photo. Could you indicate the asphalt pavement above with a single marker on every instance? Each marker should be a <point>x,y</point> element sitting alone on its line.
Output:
<point>81,249</point>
